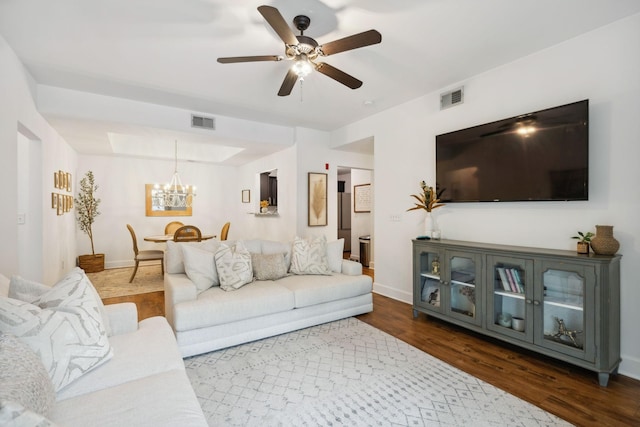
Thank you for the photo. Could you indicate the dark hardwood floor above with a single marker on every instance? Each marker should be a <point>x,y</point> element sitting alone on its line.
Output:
<point>562,389</point>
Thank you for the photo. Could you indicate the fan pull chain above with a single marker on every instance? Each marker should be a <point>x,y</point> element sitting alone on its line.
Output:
<point>301,80</point>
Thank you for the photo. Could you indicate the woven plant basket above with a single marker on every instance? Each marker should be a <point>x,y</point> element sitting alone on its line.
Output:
<point>91,263</point>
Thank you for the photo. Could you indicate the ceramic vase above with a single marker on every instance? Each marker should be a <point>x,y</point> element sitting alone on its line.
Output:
<point>428,224</point>
<point>604,243</point>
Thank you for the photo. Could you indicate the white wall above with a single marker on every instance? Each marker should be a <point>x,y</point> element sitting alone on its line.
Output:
<point>19,119</point>
<point>603,66</point>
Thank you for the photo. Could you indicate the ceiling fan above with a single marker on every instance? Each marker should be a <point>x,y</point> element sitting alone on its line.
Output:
<point>304,51</point>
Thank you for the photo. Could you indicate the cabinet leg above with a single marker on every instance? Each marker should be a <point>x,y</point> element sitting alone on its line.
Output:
<point>603,378</point>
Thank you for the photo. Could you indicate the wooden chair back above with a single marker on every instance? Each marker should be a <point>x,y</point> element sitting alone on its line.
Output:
<point>187,233</point>
<point>225,231</point>
<point>172,227</point>
<point>133,237</point>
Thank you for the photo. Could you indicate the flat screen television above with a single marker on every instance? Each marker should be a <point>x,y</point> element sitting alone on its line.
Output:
<point>539,156</point>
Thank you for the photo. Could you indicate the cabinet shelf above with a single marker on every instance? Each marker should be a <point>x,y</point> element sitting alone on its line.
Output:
<point>563,304</point>
<point>468,285</point>
<point>509,294</point>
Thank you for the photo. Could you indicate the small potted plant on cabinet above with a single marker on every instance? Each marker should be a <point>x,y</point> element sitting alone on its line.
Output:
<point>583,241</point>
<point>86,206</point>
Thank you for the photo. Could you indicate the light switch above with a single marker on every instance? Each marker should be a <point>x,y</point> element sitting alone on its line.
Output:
<point>22,218</point>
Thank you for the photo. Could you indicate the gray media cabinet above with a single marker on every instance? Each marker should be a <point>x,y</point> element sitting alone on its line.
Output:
<point>557,303</point>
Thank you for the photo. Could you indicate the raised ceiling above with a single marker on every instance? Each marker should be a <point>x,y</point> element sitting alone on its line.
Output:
<point>164,52</point>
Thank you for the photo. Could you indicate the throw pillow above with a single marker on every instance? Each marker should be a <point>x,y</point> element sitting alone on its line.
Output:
<point>200,267</point>
<point>268,266</point>
<point>309,256</point>
<point>335,251</point>
<point>28,291</point>
<point>234,266</point>
<point>173,255</point>
<point>63,326</point>
<point>23,377</point>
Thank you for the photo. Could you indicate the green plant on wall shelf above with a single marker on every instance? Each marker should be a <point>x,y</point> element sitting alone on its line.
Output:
<point>86,206</point>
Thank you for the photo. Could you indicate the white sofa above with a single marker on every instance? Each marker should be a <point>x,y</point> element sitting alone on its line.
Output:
<point>212,319</point>
<point>143,384</point>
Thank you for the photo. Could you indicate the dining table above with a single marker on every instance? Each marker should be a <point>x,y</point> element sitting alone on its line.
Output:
<point>162,238</point>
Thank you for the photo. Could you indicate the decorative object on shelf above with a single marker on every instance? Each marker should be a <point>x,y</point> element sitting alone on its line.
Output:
<point>505,319</point>
<point>86,212</point>
<point>174,195</point>
<point>264,206</point>
<point>604,243</point>
<point>564,332</point>
<point>583,241</point>
<point>469,292</point>
<point>428,200</point>
<point>517,323</point>
<point>435,266</point>
<point>317,208</point>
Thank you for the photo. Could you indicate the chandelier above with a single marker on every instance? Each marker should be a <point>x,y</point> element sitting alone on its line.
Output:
<point>175,195</point>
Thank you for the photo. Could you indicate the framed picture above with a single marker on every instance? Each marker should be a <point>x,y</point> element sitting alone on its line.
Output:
<point>61,180</point>
<point>68,179</point>
<point>317,199</point>
<point>362,198</point>
<point>56,180</point>
<point>59,205</point>
<point>246,196</point>
<point>54,201</point>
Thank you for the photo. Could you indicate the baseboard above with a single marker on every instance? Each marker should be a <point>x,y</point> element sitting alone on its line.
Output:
<point>630,367</point>
<point>406,297</point>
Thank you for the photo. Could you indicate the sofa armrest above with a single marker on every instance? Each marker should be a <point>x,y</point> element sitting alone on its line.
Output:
<point>177,288</point>
<point>351,268</point>
<point>123,317</point>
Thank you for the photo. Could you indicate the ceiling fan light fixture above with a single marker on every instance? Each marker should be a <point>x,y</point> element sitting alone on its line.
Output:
<point>302,67</point>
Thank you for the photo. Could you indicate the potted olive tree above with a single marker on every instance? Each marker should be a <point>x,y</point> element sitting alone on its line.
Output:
<point>86,206</point>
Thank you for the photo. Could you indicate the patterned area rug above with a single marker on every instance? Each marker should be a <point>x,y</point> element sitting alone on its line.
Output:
<point>347,373</point>
<point>114,282</point>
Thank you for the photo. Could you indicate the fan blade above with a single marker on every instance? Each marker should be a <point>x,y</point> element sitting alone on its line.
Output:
<point>287,85</point>
<point>279,25</point>
<point>352,42</point>
<point>233,59</point>
<point>339,76</point>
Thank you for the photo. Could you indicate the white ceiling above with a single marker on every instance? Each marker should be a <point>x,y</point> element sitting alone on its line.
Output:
<point>164,52</point>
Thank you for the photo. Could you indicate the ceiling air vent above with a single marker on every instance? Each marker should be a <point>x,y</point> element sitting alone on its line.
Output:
<point>452,98</point>
<point>202,122</point>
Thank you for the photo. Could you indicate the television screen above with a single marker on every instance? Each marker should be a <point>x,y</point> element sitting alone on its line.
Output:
<point>533,157</point>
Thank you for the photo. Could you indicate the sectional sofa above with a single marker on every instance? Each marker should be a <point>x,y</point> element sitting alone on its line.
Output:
<point>290,285</point>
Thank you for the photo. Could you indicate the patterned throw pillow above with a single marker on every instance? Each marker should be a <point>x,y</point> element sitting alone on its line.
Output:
<point>200,267</point>
<point>63,326</point>
<point>234,266</point>
<point>309,256</point>
<point>268,266</point>
<point>23,378</point>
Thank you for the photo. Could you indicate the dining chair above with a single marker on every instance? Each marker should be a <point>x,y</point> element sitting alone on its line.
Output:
<point>225,231</point>
<point>146,255</point>
<point>187,233</point>
<point>172,227</point>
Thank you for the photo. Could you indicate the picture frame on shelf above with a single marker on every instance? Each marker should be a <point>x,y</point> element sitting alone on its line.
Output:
<point>317,208</point>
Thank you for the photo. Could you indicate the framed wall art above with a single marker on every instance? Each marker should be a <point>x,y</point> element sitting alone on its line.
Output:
<point>317,199</point>
<point>362,198</point>
<point>246,196</point>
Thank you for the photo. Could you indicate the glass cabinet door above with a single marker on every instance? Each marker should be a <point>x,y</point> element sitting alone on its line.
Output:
<point>565,293</point>
<point>510,299</point>
<point>430,292</point>
<point>463,296</point>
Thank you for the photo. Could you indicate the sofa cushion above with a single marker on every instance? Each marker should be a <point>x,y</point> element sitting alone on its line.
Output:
<point>160,400</point>
<point>63,326</point>
<point>149,350</point>
<point>215,306</point>
<point>309,256</point>
<point>200,267</point>
<point>23,378</point>
<point>268,266</point>
<point>234,266</point>
<point>312,290</point>
<point>173,258</point>
<point>335,252</point>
